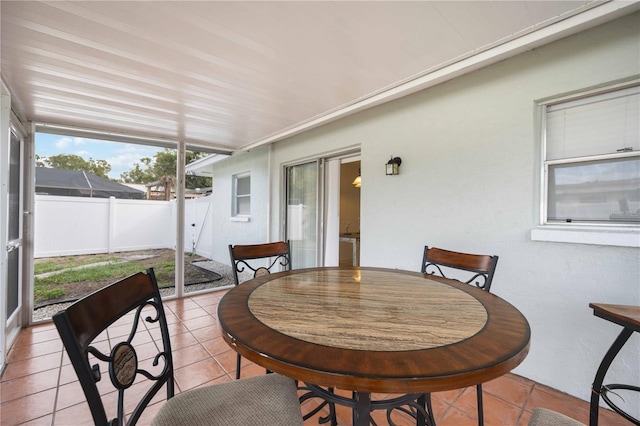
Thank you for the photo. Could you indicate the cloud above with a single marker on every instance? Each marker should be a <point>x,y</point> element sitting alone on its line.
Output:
<point>128,147</point>
<point>126,156</point>
<point>65,142</point>
<point>123,161</point>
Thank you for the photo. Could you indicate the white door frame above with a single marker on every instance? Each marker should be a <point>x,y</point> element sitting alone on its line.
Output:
<point>14,321</point>
<point>11,322</point>
<point>332,212</point>
<point>328,222</point>
<point>5,113</point>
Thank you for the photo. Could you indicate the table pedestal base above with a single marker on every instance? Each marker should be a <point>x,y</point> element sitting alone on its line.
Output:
<point>362,405</point>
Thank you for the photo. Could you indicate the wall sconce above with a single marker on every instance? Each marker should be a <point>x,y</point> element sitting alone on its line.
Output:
<point>393,165</point>
<point>357,182</point>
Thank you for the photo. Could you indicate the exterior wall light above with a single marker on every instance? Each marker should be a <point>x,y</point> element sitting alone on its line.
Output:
<point>393,166</point>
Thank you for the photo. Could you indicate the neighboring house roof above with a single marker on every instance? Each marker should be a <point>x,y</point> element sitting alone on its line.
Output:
<point>202,166</point>
<point>138,186</point>
<point>76,183</point>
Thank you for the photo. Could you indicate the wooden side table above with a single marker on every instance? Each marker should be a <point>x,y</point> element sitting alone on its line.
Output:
<point>629,318</point>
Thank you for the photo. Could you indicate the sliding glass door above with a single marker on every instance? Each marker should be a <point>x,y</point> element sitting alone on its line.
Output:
<point>304,214</point>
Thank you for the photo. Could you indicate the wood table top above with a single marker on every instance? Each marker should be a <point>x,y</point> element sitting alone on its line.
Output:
<point>373,329</point>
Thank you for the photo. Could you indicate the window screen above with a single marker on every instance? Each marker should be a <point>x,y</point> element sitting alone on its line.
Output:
<point>592,162</point>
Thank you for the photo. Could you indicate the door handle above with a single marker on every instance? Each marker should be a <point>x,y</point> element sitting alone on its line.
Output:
<point>11,247</point>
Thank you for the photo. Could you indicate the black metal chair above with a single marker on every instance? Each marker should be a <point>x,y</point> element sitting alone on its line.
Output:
<point>260,259</point>
<point>477,269</point>
<point>121,332</point>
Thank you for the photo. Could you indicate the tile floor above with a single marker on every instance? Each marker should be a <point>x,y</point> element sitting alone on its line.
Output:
<point>39,386</point>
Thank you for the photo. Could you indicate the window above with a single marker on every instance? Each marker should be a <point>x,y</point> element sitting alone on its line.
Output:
<point>241,195</point>
<point>592,159</point>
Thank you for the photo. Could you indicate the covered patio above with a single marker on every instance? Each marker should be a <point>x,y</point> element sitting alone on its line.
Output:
<point>466,93</point>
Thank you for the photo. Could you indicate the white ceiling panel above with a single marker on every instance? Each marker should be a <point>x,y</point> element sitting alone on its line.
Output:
<point>232,75</point>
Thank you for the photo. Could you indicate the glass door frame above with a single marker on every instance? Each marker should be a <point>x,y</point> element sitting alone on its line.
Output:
<point>5,109</point>
<point>14,244</point>
<point>327,175</point>
<point>16,241</point>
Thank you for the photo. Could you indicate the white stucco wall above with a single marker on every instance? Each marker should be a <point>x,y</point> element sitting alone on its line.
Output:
<point>469,182</point>
<point>224,230</point>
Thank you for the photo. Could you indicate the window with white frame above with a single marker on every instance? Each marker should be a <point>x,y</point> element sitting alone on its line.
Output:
<point>592,158</point>
<point>241,195</point>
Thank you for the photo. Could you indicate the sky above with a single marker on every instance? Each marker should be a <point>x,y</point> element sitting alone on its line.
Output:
<point>121,156</point>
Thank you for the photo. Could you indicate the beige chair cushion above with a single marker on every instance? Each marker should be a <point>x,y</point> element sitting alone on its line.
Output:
<point>544,417</point>
<point>262,400</point>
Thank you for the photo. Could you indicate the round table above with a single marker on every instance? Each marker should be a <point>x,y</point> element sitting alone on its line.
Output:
<point>374,330</point>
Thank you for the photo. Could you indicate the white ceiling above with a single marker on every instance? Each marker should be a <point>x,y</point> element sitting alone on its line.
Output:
<point>233,75</point>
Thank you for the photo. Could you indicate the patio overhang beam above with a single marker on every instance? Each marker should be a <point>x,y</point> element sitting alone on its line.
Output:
<point>124,138</point>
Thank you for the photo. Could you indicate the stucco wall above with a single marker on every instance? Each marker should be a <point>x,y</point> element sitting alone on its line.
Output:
<point>469,181</point>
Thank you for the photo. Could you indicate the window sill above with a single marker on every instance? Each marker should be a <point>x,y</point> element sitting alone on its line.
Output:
<point>240,218</point>
<point>604,236</point>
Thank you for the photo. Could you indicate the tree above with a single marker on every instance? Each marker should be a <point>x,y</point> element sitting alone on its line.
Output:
<point>162,168</point>
<point>138,174</point>
<point>75,162</point>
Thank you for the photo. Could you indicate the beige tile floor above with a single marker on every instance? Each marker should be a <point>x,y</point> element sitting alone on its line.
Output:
<point>39,386</point>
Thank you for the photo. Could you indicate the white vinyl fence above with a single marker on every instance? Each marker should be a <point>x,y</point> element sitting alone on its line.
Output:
<point>198,227</point>
<point>67,226</point>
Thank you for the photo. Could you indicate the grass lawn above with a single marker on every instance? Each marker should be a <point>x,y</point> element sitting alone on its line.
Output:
<point>69,284</point>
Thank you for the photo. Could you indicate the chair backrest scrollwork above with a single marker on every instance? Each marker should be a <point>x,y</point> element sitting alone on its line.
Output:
<point>480,267</point>
<point>242,257</point>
